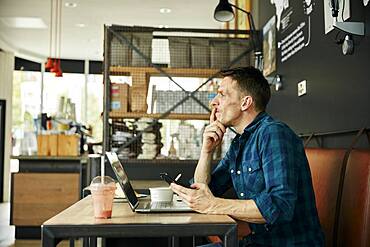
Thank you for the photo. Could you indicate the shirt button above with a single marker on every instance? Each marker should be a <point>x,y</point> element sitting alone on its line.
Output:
<point>238,172</point>
<point>232,171</point>
<point>242,194</point>
<point>249,169</point>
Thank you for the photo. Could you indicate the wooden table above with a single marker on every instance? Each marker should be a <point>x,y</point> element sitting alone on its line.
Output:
<point>78,221</point>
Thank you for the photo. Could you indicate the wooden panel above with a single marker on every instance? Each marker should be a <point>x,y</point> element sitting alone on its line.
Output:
<point>68,145</point>
<point>184,72</point>
<point>34,214</point>
<point>47,145</point>
<point>39,196</point>
<point>38,243</point>
<point>178,116</point>
<point>53,145</point>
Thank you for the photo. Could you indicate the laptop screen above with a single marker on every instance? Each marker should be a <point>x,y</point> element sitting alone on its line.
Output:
<point>122,179</point>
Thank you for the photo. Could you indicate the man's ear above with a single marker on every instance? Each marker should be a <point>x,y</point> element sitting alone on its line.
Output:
<point>247,101</point>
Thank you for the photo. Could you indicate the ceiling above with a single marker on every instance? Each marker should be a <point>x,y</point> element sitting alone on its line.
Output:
<point>87,42</point>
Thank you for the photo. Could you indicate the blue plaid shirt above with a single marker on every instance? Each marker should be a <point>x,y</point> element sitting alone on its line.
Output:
<point>267,163</point>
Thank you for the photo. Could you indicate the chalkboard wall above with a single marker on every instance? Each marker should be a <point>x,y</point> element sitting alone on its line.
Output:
<point>338,86</point>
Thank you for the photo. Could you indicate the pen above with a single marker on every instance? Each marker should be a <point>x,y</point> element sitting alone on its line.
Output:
<point>178,177</point>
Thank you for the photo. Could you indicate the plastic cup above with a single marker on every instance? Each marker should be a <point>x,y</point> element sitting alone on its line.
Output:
<point>102,191</point>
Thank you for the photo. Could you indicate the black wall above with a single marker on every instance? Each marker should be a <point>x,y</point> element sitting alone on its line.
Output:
<point>338,86</point>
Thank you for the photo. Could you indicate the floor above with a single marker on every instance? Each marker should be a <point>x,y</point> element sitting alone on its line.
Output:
<point>7,232</point>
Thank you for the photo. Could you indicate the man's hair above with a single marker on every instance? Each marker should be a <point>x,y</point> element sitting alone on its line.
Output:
<point>251,81</point>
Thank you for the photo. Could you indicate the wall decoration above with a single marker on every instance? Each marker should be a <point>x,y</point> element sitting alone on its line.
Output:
<point>280,6</point>
<point>269,47</point>
<point>342,15</point>
<point>293,28</point>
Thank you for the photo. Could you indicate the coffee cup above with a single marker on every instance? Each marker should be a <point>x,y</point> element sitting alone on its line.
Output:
<point>102,191</point>
<point>161,194</point>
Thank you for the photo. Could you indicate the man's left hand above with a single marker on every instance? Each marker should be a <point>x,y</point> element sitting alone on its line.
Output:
<point>199,197</point>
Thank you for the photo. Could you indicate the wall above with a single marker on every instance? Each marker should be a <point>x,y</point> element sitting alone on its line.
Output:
<point>338,86</point>
<point>6,82</point>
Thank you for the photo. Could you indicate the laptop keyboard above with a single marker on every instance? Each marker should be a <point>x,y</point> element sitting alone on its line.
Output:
<point>161,205</point>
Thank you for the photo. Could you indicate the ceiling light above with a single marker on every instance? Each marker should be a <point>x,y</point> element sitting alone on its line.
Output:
<point>81,25</point>
<point>23,22</point>
<point>70,5</point>
<point>165,10</point>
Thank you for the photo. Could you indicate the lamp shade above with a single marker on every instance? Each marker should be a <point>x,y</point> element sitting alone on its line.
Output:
<point>55,66</point>
<point>49,63</point>
<point>58,71</point>
<point>223,11</point>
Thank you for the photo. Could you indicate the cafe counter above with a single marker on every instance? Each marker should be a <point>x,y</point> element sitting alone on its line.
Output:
<point>43,187</point>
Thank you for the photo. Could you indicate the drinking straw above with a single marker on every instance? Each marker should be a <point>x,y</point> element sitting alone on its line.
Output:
<point>102,168</point>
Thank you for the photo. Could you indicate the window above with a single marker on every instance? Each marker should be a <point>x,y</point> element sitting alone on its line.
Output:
<point>26,105</point>
<point>95,92</point>
<point>29,94</point>
<point>70,86</point>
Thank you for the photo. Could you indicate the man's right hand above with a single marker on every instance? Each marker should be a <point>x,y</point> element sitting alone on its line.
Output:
<point>213,134</point>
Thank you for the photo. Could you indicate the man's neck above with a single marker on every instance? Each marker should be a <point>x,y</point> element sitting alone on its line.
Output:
<point>246,120</point>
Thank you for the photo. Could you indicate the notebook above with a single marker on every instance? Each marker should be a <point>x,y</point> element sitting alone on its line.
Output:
<point>142,206</point>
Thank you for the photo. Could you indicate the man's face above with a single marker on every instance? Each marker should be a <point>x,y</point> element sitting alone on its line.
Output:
<point>228,102</point>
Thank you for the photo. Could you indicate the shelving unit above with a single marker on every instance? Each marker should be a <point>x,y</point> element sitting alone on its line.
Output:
<point>147,71</point>
<point>141,76</point>
<point>127,52</point>
<point>174,116</point>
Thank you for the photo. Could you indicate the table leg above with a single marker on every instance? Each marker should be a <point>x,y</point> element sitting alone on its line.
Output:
<point>174,241</point>
<point>89,242</point>
<point>93,241</point>
<point>47,238</point>
<point>231,237</point>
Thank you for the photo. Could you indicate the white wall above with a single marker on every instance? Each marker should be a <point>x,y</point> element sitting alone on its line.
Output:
<point>6,89</point>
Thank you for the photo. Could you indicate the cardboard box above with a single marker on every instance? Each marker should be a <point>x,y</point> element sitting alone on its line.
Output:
<point>120,95</point>
<point>138,98</point>
<point>140,78</point>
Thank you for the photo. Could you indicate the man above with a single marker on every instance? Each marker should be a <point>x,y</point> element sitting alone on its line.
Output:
<point>266,165</point>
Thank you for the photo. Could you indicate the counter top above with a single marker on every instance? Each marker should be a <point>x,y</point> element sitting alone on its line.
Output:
<point>36,157</point>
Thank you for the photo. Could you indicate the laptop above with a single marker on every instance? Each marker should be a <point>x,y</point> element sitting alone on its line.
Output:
<point>135,204</point>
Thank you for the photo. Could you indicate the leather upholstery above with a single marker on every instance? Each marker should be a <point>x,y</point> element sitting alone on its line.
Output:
<point>325,165</point>
<point>354,217</point>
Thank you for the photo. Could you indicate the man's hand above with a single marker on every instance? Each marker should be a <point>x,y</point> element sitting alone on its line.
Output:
<point>213,133</point>
<point>199,198</point>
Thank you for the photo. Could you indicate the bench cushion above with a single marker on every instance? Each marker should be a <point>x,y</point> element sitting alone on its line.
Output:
<point>354,217</point>
<point>325,165</point>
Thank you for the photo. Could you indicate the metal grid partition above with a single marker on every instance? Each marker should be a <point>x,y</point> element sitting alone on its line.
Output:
<point>158,84</point>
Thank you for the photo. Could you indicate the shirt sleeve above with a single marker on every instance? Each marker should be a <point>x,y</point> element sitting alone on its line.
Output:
<point>279,163</point>
<point>220,177</point>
